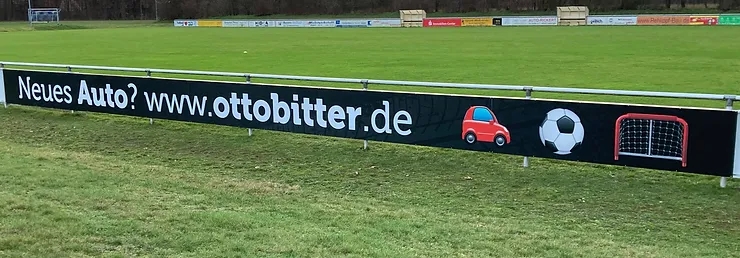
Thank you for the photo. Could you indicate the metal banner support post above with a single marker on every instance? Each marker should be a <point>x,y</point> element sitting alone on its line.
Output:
<point>30,21</point>
<point>729,106</point>
<point>69,70</point>
<point>364,87</point>
<point>249,80</point>
<point>2,86</point>
<point>149,75</point>
<point>527,95</point>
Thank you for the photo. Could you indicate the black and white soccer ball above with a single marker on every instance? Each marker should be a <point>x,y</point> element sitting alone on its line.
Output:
<point>561,131</point>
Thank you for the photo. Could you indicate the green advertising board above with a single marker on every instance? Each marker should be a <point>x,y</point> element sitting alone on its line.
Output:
<point>729,19</point>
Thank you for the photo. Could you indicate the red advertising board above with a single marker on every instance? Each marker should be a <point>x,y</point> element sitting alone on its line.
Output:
<point>443,22</point>
<point>663,20</point>
<point>704,20</point>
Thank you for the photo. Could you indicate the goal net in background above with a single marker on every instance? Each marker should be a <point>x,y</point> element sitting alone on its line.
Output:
<point>651,136</point>
<point>43,15</point>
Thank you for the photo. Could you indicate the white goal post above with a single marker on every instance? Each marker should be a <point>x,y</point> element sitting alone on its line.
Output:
<point>43,15</point>
<point>651,136</point>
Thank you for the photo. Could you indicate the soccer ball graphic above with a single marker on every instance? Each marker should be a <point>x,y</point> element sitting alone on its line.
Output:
<point>562,131</point>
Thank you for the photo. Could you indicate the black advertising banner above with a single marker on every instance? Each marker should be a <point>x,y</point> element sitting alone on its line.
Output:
<point>701,141</point>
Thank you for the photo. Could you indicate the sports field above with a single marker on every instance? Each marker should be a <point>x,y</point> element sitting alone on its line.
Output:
<point>83,184</point>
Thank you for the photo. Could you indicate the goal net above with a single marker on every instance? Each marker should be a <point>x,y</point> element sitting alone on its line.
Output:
<point>43,15</point>
<point>651,136</point>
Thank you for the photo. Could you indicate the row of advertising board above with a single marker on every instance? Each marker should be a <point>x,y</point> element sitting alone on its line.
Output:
<point>590,20</point>
<point>327,23</point>
<point>597,20</point>
<point>495,21</point>
<point>663,20</point>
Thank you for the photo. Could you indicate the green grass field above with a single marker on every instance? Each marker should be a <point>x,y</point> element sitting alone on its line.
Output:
<point>84,184</point>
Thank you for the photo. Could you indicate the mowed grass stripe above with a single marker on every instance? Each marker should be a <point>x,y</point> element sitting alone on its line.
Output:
<point>91,184</point>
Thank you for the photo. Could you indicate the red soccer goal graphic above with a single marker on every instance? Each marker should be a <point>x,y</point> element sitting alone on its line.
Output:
<point>651,136</point>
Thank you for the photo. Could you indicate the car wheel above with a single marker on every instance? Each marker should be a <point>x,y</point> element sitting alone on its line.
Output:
<point>500,140</point>
<point>470,138</point>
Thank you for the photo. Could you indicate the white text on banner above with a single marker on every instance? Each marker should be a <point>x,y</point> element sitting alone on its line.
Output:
<point>611,20</point>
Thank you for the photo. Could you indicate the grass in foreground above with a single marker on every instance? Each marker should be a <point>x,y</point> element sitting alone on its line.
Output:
<point>78,25</point>
<point>76,185</point>
<point>86,184</point>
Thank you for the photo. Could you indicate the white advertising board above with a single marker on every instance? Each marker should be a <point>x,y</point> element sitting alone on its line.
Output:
<point>529,21</point>
<point>352,23</point>
<point>322,23</point>
<point>291,24</point>
<point>235,24</point>
<point>186,23</point>
<point>280,23</point>
<point>385,23</point>
<point>611,20</point>
<point>261,23</point>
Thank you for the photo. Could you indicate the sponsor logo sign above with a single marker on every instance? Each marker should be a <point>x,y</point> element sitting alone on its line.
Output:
<point>186,23</point>
<point>674,139</point>
<point>611,20</point>
<point>352,23</point>
<point>442,22</point>
<point>210,23</point>
<point>476,22</point>
<point>729,20</point>
<point>704,20</point>
<point>663,19</point>
<point>233,24</point>
<point>321,23</point>
<point>291,24</point>
<point>261,23</point>
<point>525,21</point>
<point>385,23</point>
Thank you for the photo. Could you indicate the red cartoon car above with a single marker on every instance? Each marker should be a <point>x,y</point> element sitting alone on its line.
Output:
<point>480,124</point>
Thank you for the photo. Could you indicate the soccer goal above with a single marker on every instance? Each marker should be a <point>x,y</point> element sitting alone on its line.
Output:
<point>651,136</point>
<point>43,15</point>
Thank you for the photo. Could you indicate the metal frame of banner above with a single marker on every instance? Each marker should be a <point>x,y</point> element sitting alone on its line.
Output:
<point>528,90</point>
<point>2,86</point>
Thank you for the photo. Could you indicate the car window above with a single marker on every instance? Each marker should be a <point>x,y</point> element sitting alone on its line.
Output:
<point>482,114</point>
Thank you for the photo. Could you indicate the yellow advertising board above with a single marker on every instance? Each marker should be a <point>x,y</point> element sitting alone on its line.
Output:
<point>470,22</point>
<point>210,23</point>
